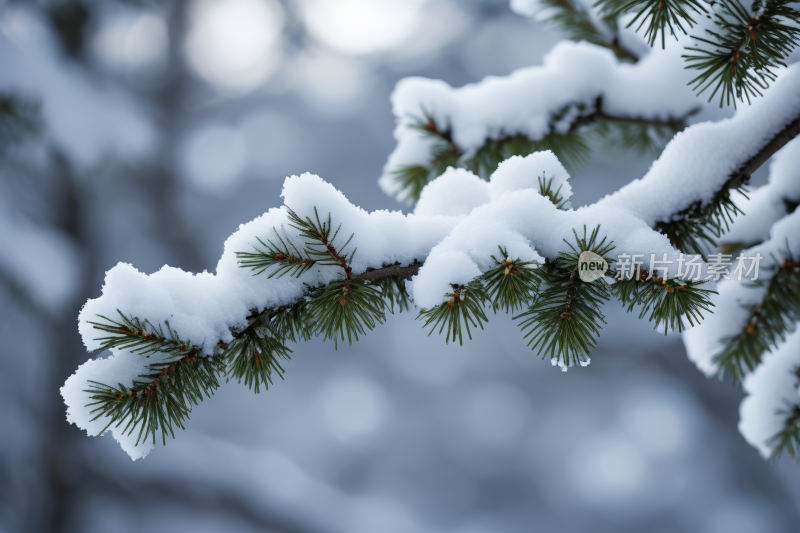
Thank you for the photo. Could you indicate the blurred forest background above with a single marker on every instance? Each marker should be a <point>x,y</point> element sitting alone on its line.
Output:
<point>153,130</point>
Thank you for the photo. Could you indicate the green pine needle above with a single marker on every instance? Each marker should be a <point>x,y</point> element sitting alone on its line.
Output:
<point>254,356</point>
<point>768,322</point>
<point>657,15</point>
<point>788,439</point>
<point>623,137</point>
<point>321,244</point>
<point>162,400</point>
<point>738,61</point>
<point>293,324</point>
<point>285,257</point>
<point>546,190</point>
<point>141,337</point>
<point>512,284</point>
<point>571,149</point>
<point>564,320</point>
<point>444,153</point>
<point>393,289</point>
<point>580,24</point>
<point>696,229</point>
<point>464,307</point>
<point>412,179</point>
<point>346,309</point>
<point>667,300</point>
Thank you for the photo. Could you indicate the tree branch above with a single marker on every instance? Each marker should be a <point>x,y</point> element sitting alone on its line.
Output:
<point>374,274</point>
<point>742,176</point>
<point>676,124</point>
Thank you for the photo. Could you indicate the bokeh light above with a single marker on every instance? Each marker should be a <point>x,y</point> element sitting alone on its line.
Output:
<point>132,41</point>
<point>235,44</point>
<point>353,408</point>
<point>213,157</point>
<point>361,27</point>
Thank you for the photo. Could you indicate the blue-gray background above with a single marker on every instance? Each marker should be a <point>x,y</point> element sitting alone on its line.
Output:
<point>398,433</point>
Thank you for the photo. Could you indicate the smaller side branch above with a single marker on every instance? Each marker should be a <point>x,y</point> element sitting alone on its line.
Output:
<point>676,124</point>
<point>394,270</point>
<point>698,226</point>
<point>742,176</point>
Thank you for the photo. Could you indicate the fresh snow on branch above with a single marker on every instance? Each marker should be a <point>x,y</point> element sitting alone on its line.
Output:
<point>698,161</point>
<point>518,217</point>
<point>527,101</point>
<point>736,298</point>
<point>456,244</point>
<point>773,393</point>
<point>765,205</point>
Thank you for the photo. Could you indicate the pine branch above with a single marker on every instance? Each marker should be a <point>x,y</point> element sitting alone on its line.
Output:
<point>779,140</point>
<point>572,147</point>
<point>696,228</point>
<point>788,439</point>
<point>254,356</point>
<point>658,15</point>
<point>768,322</point>
<point>464,307</point>
<point>393,289</point>
<point>321,243</point>
<point>285,256</point>
<point>162,400</point>
<point>375,274</point>
<point>575,20</point>
<point>294,323</point>
<point>564,320</point>
<point>739,59</point>
<point>512,283</point>
<point>141,337</point>
<point>546,190</point>
<point>347,308</point>
<point>444,154</point>
<point>667,300</point>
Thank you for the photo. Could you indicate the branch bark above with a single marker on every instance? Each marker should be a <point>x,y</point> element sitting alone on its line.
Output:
<point>742,176</point>
<point>374,274</point>
<point>676,124</point>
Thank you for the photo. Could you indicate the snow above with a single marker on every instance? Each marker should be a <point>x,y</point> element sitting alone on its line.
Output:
<point>735,297</point>
<point>122,367</point>
<point>699,160</point>
<point>773,390</point>
<point>459,191</point>
<point>204,307</point>
<point>572,78</point>
<point>456,192</point>
<point>766,204</point>
<point>519,173</point>
<point>456,229</point>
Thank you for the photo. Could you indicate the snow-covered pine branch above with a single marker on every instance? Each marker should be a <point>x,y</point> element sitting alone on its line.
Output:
<point>171,333</point>
<point>732,47</point>
<point>534,108</point>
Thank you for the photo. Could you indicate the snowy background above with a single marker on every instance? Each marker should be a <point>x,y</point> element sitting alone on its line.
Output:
<point>166,128</point>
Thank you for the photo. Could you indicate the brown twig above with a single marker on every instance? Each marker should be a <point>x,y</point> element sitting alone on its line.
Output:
<point>676,124</point>
<point>742,176</point>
